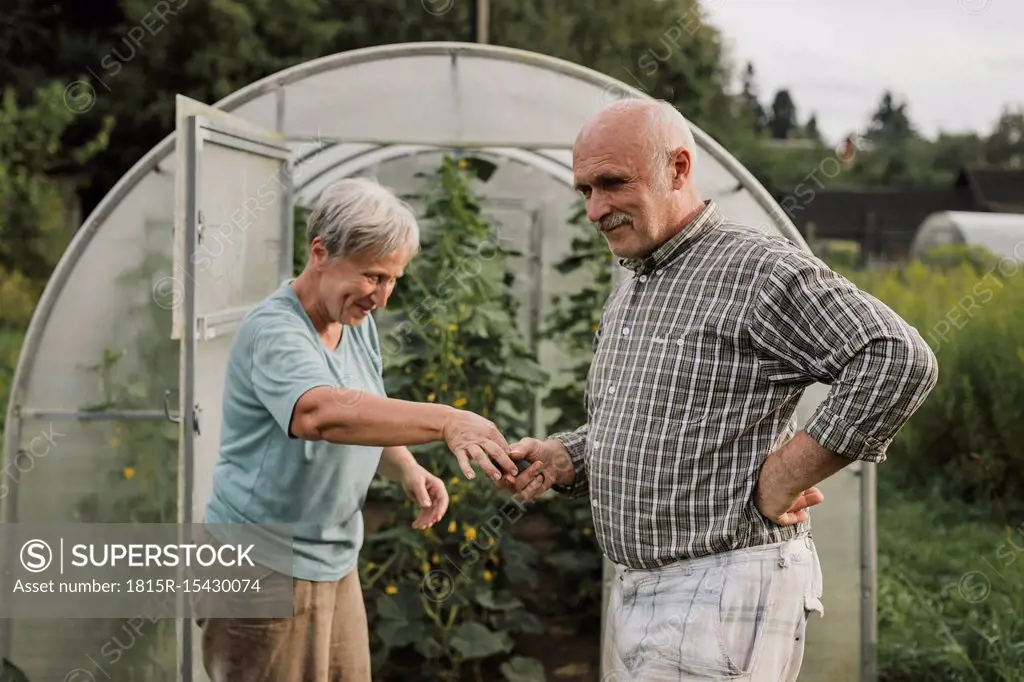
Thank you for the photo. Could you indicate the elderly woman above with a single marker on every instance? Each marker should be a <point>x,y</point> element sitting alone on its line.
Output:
<point>306,426</point>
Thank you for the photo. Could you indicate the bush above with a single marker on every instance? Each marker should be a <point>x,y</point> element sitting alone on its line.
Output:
<point>950,591</point>
<point>441,602</point>
<point>969,433</point>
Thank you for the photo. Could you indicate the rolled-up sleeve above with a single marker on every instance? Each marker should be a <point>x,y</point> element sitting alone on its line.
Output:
<point>575,443</point>
<point>812,324</point>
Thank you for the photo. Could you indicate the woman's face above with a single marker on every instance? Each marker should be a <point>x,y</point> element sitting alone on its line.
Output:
<point>352,287</point>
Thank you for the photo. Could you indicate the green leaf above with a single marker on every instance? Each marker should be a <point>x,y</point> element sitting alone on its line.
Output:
<point>396,634</point>
<point>474,640</point>
<point>429,648</point>
<point>389,608</point>
<point>517,559</point>
<point>520,620</point>
<point>494,602</point>
<point>523,669</point>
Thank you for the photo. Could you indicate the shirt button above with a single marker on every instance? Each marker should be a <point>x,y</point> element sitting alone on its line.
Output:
<point>625,331</point>
<point>611,389</point>
<point>643,278</point>
<point>679,342</point>
<point>593,503</point>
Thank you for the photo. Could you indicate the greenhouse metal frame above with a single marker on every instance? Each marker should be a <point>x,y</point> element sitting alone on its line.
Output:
<point>369,112</point>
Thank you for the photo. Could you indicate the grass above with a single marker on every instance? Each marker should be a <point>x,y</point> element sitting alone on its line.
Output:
<point>950,590</point>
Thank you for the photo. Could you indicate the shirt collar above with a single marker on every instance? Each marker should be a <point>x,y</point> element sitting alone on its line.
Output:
<point>708,219</point>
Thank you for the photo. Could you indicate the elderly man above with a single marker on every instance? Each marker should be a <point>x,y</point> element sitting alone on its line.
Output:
<point>698,485</point>
<point>306,426</point>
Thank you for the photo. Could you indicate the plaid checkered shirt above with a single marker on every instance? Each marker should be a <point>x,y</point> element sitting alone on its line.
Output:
<point>699,362</point>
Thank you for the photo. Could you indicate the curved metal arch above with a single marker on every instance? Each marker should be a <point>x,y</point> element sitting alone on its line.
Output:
<point>364,158</point>
<point>148,163</point>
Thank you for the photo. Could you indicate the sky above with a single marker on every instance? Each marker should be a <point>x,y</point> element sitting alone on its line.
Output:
<point>956,63</point>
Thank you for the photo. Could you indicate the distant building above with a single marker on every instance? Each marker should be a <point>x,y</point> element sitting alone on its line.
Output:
<point>884,222</point>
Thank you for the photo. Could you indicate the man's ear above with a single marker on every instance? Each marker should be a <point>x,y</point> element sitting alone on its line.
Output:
<point>681,165</point>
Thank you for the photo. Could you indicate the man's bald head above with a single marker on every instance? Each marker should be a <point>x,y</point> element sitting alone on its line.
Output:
<point>633,163</point>
<point>653,125</point>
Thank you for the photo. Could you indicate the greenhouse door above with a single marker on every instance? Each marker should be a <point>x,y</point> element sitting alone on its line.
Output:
<point>232,248</point>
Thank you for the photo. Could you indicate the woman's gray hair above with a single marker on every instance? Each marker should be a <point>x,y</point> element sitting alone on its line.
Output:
<point>360,216</point>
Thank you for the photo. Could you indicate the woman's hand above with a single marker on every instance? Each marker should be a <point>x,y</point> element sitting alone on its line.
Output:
<point>426,490</point>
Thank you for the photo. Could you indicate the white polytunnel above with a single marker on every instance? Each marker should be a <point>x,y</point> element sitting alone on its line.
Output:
<point>101,375</point>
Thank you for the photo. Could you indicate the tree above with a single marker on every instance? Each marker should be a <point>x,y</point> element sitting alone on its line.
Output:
<point>890,123</point>
<point>1005,146</point>
<point>811,129</point>
<point>783,119</point>
<point>143,54</point>
<point>32,219</point>
<point>750,99</point>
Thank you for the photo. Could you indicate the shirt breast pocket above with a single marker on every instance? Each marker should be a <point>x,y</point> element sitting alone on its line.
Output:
<point>682,376</point>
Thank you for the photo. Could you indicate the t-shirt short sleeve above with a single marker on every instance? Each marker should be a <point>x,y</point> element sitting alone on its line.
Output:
<point>286,363</point>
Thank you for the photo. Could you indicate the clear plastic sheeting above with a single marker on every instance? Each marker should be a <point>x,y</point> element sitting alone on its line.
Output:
<point>100,341</point>
<point>89,472</point>
<point>1000,233</point>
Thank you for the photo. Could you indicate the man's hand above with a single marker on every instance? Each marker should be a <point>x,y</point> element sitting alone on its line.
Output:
<point>785,486</point>
<point>786,509</point>
<point>428,491</point>
<point>549,464</point>
<point>471,437</point>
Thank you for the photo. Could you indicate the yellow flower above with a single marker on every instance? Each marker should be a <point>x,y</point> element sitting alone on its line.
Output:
<point>115,441</point>
<point>370,566</point>
<point>488,576</point>
<point>453,327</point>
<point>452,527</point>
<point>431,398</point>
<point>435,560</point>
<point>586,532</point>
<point>463,164</point>
<point>391,589</point>
<point>424,567</point>
<point>457,361</point>
<point>456,498</point>
<point>129,472</point>
<point>470,534</point>
<point>454,480</point>
<point>460,403</point>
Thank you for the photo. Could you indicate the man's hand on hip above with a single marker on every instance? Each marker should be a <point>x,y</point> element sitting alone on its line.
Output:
<point>785,486</point>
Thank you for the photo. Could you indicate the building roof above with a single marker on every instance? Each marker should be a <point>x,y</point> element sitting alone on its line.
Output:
<point>999,190</point>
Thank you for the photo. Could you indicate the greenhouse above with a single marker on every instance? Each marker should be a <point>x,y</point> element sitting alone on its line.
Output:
<point>1000,233</point>
<point>120,375</point>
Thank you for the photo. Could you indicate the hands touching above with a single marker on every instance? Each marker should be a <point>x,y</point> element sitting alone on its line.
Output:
<point>471,437</point>
<point>548,464</point>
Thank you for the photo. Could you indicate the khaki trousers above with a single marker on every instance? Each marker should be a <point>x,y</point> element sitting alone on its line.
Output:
<point>738,616</point>
<point>325,640</point>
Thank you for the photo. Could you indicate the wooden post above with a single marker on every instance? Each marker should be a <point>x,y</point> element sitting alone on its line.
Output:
<point>480,18</point>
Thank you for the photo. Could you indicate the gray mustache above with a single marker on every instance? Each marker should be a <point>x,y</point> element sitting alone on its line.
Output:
<point>614,220</point>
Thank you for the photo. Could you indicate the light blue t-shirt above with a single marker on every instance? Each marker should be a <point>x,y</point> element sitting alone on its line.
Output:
<point>263,475</point>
